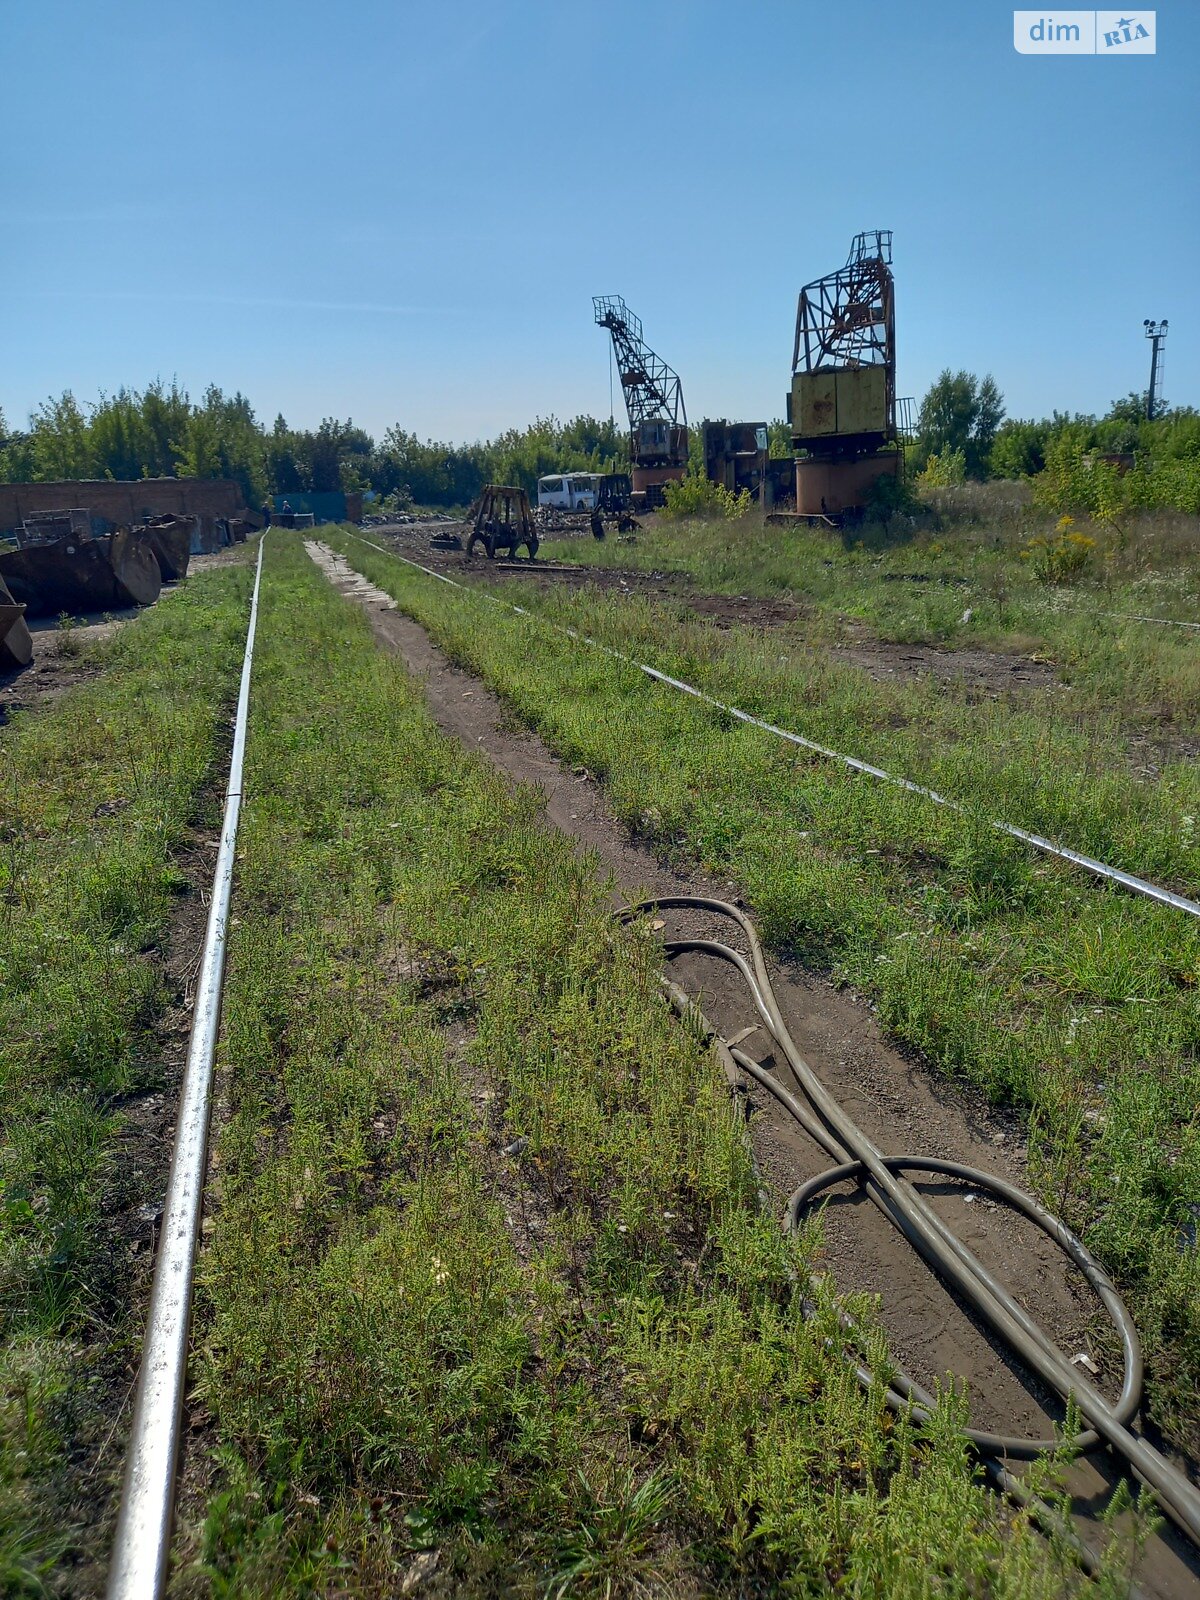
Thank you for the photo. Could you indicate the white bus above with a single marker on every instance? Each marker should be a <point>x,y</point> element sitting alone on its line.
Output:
<point>569,491</point>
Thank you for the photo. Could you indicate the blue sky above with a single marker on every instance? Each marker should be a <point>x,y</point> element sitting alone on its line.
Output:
<point>399,212</point>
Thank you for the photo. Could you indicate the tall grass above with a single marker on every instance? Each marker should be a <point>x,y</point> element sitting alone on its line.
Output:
<point>960,582</point>
<point>489,1302</point>
<point>1077,1004</point>
<point>98,791</point>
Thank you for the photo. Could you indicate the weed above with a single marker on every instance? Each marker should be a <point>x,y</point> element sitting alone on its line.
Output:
<point>943,471</point>
<point>695,496</point>
<point>68,638</point>
<point>1063,556</point>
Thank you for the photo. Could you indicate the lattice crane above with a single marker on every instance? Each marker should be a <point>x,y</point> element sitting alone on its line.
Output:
<point>842,404</point>
<point>658,433</point>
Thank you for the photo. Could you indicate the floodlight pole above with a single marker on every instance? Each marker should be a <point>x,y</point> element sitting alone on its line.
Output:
<point>1156,332</point>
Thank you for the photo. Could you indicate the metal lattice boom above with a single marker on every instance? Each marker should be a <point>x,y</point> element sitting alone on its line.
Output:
<point>848,318</point>
<point>653,392</point>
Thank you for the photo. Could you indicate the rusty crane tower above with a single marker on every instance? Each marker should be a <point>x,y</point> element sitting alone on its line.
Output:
<point>658,433</point>
<point>842,404</point>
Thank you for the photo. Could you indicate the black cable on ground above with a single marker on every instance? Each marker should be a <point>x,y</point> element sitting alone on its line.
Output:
<point>856,1158</point>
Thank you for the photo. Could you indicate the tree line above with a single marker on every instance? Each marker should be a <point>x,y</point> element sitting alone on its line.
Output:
<point>161,432</point>
<point>961,432</point>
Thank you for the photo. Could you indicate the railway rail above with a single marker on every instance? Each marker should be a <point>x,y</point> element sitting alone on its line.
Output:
<point>532,566</point>
<point>1077,858</point>
<point>140,1559</point>
<point>579,568</point>
<point>138,1570</point>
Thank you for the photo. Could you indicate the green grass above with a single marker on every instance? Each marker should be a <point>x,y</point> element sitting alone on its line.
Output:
<point>1008,970</point>
<point>963,585</point>
<point>98,792</point>
<point>579,1368</point>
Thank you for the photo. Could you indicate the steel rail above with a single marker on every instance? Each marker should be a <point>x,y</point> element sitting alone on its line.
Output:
<point>1077,858</point>
<point>883,1179</point>
<point>141,1546</point>
<point>1159,622</point>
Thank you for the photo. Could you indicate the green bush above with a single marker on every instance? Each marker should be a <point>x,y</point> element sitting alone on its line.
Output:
<point>1019,450</point>
<point>701,497</point>
<point>1061,556</point>
<point>944,470</point>
<point>1076,479</point>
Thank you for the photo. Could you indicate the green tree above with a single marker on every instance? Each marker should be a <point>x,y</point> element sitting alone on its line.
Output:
<point>230,421</point>
<point>1019,449</point>
<point>198,453</point>
<point>164,417</point>
<point>59,445</point>
<point>282,459</point>
<point>779,440</point>
<point>321,455</point>
<point>120,443</point>
<point>960,412</point>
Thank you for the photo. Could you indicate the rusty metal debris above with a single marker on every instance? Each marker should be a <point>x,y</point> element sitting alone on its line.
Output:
<point>40,526</point>
<point>614,493</point>
<point>81,575</point>
<point>734,458</point>
<point>170,538</point>
<point>71,559</point>
<point>16,642</point>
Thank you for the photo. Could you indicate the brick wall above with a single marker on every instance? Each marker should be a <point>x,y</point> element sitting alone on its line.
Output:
<point>112,503</point>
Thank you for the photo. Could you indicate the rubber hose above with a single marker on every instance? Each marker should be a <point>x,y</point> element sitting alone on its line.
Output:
<point>858,1158</point>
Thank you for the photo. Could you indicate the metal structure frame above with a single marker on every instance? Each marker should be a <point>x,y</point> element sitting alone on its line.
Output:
<point>848,317</point>
<point>652,389</point>
<point>1156,332</point>
<point>501,519</point>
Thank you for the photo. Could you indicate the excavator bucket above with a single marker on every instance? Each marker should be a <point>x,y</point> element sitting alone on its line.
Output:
<point>82,575</point>
<point>16,642</point>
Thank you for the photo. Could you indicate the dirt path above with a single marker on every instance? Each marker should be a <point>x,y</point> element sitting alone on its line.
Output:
<point>891,1096</point>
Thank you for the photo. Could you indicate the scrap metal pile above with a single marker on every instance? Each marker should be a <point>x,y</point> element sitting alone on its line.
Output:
<point>56,563</point>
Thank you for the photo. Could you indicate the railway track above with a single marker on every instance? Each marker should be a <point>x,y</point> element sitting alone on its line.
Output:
<point>532,567</point>
<point>142,1543</point>
<point>139,1567</point>
<point>1100,869</point>
<point>581,570</point>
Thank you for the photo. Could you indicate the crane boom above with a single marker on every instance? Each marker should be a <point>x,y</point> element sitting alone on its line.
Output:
<point>652,390</point>
<point>658,434</point>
